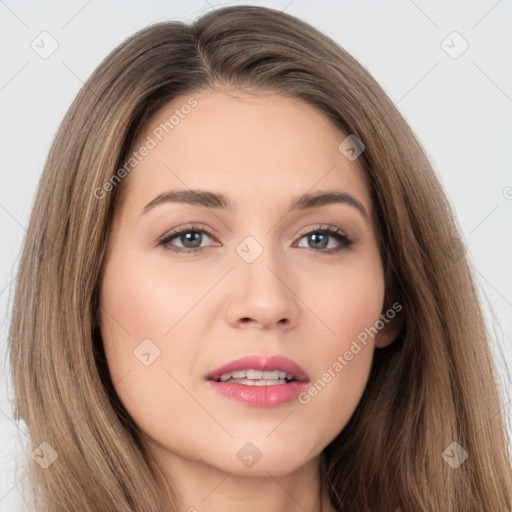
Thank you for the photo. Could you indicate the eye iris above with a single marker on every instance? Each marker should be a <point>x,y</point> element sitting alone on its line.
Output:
<point>193,236</point>
<point>317,237</point>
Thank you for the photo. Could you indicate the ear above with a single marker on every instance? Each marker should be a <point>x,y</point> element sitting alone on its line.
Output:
<point>388,333</point>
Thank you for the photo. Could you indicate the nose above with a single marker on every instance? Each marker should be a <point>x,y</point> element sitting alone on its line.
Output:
<point>262,294</point>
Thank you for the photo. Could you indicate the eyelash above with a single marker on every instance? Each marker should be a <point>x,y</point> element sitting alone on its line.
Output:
<point>336,233</point>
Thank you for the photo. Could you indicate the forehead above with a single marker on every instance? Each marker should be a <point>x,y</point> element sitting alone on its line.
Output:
<point>250,147</point>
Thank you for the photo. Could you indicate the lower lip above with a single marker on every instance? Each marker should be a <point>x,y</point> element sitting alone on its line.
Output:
<point>260,396</point>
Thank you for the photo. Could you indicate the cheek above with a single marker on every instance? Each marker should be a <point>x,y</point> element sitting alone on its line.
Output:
<point>348,308</point>
<point>141,315</point>
<point>345,299</point>
<point>147,300</point>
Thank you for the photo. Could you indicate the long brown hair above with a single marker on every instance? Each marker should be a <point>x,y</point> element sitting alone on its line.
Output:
<point>434,386</point>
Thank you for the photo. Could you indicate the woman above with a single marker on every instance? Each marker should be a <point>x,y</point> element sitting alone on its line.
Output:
<point>242,287</point>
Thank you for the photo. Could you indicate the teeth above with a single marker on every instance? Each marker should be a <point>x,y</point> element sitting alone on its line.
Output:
<point>254,374</point>
<point>260,382</point>
<point>257,377</point>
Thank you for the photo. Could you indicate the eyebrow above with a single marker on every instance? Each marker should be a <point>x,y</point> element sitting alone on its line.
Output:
<point>220,201</point>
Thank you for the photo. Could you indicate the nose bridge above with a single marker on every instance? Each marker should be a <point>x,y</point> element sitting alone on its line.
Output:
<point>259,265</point>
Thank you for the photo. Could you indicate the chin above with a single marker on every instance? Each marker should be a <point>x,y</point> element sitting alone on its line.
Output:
<point>263,456</point>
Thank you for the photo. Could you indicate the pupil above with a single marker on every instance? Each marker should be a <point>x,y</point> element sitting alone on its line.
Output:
<point>323,243</point>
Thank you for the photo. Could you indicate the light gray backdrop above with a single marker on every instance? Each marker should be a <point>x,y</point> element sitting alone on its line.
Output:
<point>446,65</point>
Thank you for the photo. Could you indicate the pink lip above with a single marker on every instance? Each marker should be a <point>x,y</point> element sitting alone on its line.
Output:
<point>260,396</point>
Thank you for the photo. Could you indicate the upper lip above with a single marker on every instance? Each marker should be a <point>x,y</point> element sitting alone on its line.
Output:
<point>261,363</point>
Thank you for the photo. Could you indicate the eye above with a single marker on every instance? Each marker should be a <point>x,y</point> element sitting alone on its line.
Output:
<point>190,237</point>
<point>319,238</point>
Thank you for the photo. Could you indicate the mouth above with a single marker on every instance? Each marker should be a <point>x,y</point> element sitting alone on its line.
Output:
<point>256,370</point>
<point>259,381</point>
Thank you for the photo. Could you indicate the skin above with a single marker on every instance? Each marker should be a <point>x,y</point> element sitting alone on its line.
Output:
<point>204,309</point>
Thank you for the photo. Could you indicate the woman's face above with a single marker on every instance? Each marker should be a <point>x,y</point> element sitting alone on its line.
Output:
<point>263,279</point>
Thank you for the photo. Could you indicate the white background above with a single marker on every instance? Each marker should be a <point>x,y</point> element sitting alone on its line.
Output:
<point>460,108</point>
